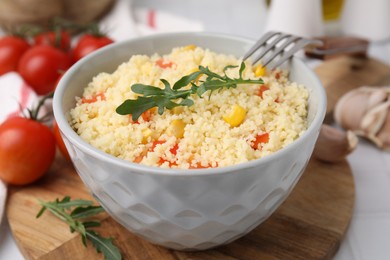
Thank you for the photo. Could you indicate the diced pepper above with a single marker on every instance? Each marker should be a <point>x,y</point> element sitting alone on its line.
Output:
<point>139,158</point>
<point>198,165</point>
<point>164,64</point>
<point>154,144</point>
<point>260,71</point>
<point>173,151</point>
<point>146,116</point>
<point>236,116</point>
<point>176,128</point>
<point>162,161</point>
<point>261,90</point>
<point>260,139</point>
<point>93,99</point>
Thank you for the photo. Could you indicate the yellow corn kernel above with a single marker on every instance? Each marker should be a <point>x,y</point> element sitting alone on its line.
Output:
<point>190,47</point>
<point>236,116</point>
<point>177,110</point>
<point>146,134</point>
<point>260,71</point>
<point>176,128</point>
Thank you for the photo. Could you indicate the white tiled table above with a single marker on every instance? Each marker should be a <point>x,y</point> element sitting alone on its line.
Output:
<point>368,237</point>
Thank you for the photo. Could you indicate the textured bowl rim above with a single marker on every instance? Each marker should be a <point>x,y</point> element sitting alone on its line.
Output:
<point>76,140</point>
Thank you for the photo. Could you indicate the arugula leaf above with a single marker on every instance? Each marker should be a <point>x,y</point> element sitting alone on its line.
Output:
<point>170,97</point>
<point>85,212</point>
<point>184,81</point>
<point>104,245</point>
<point>71,212</point>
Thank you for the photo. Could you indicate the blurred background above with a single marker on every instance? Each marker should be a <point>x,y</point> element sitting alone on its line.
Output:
<point>123,19</point>
<point>246,17</point>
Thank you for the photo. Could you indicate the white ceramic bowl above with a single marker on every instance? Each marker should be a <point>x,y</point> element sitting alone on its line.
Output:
<point>186,209</point>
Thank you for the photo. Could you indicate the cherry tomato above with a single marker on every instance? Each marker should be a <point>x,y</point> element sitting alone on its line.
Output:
<point>11,50</point>
<point>41,66</point>
<point>87,44</point>
<point>59,78</point>
<point>59,40</point>
<point>59,141</point>
<point>27,149</point>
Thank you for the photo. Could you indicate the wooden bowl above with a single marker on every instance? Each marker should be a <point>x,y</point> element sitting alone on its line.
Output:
<point>14,13</point>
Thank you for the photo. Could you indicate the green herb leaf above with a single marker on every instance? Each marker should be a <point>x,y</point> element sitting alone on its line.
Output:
<point>89,224</point>
<point>242,68</point>
<point>147,90</point>
<point>228,67</point>
<point>184,81</point>
<point>70,211</point>
<point>104,245</point>
<point>170,97</point>
<point>67,204</point>
<point>85,212</point>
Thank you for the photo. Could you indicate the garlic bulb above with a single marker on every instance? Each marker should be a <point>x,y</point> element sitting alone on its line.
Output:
<point>333,145</point>
<point>366,112</point>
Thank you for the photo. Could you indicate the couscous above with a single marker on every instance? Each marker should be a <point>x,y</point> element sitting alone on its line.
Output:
<point>221,128</point>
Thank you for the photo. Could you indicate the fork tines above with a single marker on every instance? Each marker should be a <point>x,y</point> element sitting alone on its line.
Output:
<point>277,44</point>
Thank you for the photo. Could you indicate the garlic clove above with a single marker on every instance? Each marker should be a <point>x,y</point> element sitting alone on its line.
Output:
<point>377,96</point>
<point>365,111</point>
<point>350,109</point>
<point>374,119</point>
<point>333,145</point>
<point>384,133</point>
<point>353,105</point>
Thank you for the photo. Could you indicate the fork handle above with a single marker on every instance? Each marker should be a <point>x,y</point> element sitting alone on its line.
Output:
<point>338,46</point>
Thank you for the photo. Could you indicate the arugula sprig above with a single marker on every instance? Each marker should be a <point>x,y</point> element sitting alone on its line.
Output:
<point>173,96</point>
<point>73,212</point>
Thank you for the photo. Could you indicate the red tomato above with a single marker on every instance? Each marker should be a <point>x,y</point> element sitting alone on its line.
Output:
<point>59,141</point>
<point>41,66</point>
<point>11,50</point>
<point>87,44</point>
<point>61,41</point>
<point>27,149</point>
<point>58,79</point>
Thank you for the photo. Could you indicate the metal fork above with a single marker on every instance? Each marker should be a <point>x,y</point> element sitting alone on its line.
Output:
<point>277,44</point>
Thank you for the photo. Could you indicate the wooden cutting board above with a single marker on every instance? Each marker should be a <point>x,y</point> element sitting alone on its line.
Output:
<point>310,224</point>
<point>344,74</point>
